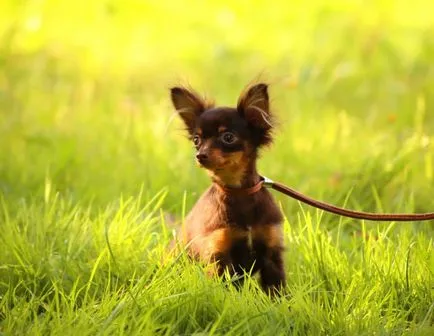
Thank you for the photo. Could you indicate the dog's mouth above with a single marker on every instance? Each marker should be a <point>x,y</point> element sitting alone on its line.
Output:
<point>207,164</point>
<point>211,165</point>
<point>203,162</point>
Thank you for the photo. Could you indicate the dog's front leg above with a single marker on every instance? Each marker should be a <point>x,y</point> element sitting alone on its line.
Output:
<point>216,251</point>
<point>272,271</point>
<point>268,245</point>
<point>218,262</point>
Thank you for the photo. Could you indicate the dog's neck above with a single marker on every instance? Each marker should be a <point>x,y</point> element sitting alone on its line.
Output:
<point>242,179</point>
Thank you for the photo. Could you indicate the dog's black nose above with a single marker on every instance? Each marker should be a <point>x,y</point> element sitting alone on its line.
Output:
<point>201,157</point>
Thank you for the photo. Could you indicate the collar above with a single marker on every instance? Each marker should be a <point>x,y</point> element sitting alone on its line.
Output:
<point>233,191</point>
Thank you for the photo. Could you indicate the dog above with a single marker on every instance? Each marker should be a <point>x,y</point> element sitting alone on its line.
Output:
<point>236,225</point>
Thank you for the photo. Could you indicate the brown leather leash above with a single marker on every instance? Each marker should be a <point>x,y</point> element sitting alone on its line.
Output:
<point>266,182</point>
<point>345,212</point>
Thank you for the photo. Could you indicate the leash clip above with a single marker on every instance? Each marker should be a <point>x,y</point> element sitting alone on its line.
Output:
<point>267,183</point>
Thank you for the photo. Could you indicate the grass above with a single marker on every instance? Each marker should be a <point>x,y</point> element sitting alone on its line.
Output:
<point>96,174</point>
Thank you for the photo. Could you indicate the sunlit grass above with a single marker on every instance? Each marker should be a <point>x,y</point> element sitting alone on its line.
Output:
<point>96,173</point>
<point>67,271</point>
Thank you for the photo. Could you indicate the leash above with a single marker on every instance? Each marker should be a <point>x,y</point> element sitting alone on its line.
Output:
<point>267,183</point>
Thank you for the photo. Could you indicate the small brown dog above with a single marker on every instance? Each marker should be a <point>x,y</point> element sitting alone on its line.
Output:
<point>236,225</point>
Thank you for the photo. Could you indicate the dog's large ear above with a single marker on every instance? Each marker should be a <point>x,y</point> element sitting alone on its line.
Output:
<point>254,106</point>
<point>189,105</point>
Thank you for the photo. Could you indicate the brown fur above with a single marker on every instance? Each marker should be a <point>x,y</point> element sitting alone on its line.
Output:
<point>233,232</point>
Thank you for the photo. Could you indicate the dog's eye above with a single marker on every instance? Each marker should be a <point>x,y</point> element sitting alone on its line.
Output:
<point>228,138</point>
<point>196,140</point>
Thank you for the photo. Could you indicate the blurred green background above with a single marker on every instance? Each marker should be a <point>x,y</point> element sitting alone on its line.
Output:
<point>84,108</point>
<point>95,167</point>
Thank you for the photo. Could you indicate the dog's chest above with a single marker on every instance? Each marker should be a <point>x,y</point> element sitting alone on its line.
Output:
<point>249,238</point>
<point>238,224</point>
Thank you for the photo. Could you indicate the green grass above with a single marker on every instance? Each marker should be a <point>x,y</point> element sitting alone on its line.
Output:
<point>96,174</point>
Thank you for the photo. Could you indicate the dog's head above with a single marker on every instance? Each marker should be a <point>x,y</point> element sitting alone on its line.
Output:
<point>226,139</point>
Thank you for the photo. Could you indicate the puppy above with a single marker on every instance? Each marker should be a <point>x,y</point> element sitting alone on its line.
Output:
<point>235,225</point>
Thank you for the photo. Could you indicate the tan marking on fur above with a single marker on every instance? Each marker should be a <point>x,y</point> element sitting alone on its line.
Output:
<point>199,131</point>
<point>228,169</point>
<point>271,235</point>
<point>221,240</point>
<point>222,129</point>
<point>250,238</point>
